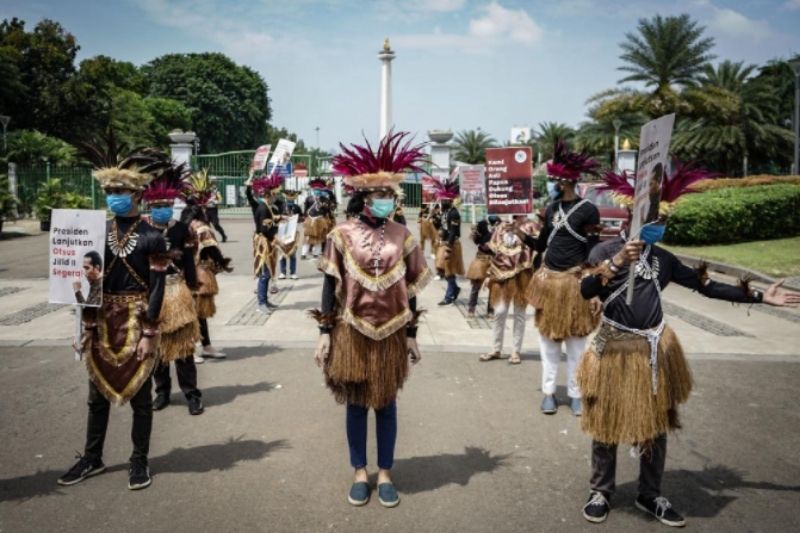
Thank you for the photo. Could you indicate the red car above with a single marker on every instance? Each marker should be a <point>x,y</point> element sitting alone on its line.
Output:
<point>612,216</point>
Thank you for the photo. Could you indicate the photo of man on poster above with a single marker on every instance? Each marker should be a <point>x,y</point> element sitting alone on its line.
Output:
<point>93,271</point>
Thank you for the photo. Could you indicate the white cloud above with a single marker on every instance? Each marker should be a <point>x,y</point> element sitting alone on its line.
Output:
<point>496,25</point>
<point>792,4</point>
<point>730,22</point>
<point>439,6</point>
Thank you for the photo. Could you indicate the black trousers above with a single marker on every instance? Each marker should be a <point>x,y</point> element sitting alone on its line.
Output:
<point>186,371</point>
<point>213,217</point>
<point>99,409</point>
<point>475,289</point>
<point>651,467</point>
<point>204,337</point>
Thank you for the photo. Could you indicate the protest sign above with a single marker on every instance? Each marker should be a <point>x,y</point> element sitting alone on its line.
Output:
<point>508,181</point>
<point>260,158</point>
<point>280,161</point>
<point>472,184</point>
<point>77,248</point>
<point>287,230</point>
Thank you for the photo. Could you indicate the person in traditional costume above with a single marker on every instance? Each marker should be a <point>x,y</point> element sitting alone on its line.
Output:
<point>399,216</point>
<point>212,213</point>
<point>208,259</point>
<point>180,329</point>
<point>120,338</point>
<point>480,234</point>
<point>265,245</point>
<point>374,271</point>
<point>634,374</point>
<point>427,231</point>
<point>510,272</point>
<point>449,258</point>
<point>288,250</point>
<point>571,229</point>
<point>317,222</point>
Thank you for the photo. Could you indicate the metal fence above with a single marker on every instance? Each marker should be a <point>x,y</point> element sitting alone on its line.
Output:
<point>75,179</point>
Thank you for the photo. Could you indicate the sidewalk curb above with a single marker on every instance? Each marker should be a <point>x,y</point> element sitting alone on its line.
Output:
<point>734,270</point>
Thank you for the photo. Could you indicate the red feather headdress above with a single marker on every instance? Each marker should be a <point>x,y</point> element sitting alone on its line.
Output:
<point>676,184</point>
<point>570,165</point>
<point>446,189</point>
<point>364,168</point>
<point>169,184</point>
<point>267,183</point>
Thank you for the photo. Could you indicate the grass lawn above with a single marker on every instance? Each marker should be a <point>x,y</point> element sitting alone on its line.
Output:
<point>777,258</point>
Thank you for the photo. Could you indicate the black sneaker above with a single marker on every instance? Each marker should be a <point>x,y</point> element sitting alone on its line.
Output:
<point>161,401</point>
<point>447,301</point>
<point>662,510</point>
<point>596,508</point>
<point>85,467</point>
<point>139,475</point>
<point>196,406</point>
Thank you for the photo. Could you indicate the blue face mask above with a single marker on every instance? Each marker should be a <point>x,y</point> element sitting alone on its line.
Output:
<point>161,215</point>
<point>493,219</point>
<point>382,207</point>
<point>652,233</point>
<point>119,204</point>
<point>553,190</point>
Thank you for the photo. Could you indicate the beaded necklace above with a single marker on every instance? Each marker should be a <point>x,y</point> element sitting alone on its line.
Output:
<point>368,242</point>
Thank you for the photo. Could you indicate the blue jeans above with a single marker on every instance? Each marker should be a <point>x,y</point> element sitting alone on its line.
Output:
<point>385,428</point>
<point>452,288</point>
<point>263,286</point>
<point>292,264</point>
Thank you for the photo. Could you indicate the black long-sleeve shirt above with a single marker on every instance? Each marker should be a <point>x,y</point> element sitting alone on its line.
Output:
<point>329,287</point>
<point>265,223</point>
<point>482,235</point>
<point>451,226</point>
<point>149,245</point>
<point>177,236</point>
<point>251,200</point>
<point>564,251</point>
<point>645,310</point>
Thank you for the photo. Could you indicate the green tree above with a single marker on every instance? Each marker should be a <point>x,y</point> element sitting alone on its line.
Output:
<point>12,90</point>
<point>168,115</point>
<point>228,102</point>
<point>45,59</point>
<point>666,52</point>
<point>733,120</point>
<point>470,146</point>
<point>547,134</point>
<point>30,147</point>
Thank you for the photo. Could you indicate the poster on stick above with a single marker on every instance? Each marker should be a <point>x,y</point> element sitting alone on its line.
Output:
<point>77,248</point>
<point>287,230</point>
<point>281,157</point>
<point>472,184</point>
<point>508,181</point>
<point>654,141</point>
<point>428,192</point>
<point>260,158</point>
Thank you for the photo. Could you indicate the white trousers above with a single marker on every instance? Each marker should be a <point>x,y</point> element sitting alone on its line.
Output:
<point>315,250</point>
<point>499,325</point>
<point>551,356</point>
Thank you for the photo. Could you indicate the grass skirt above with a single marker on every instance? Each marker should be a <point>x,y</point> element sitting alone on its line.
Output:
<point>206,307</point>
<point>178,321</point>
<point>479,267</point>
<point>366,372</point>
<point>561,311</point>
<point>316,229</point>
<point>514,289</point>
<point>427,231</point>
<point>618,401</point>
<point>454,266</point>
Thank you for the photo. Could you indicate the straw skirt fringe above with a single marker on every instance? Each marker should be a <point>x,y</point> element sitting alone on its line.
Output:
<point>561,311</point>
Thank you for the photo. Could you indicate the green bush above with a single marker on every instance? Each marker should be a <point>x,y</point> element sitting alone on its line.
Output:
<point>733,215</point>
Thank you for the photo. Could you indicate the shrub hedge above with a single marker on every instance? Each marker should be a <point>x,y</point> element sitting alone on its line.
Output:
<point>730,215</point>
<point>750,181</point>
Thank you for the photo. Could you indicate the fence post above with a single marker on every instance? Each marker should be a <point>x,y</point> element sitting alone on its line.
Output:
<point>94,195</point>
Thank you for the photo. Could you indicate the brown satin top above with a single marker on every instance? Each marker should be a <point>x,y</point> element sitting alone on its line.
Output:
<point>511,255</point>
<point>374,300</point>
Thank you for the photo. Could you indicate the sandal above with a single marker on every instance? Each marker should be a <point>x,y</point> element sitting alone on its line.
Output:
<point>514,359</point>
<point>489,356</point>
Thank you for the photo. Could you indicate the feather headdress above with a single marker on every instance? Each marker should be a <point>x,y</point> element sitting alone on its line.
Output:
<point>383,168</point>
<point>267,182</point>
<point>201,188</point>
<point>570,165</point>
<point>677,183</point>
<point>170,184</point>
<point>318,183</point>
<point>133,172</point>
<point>445,189</point>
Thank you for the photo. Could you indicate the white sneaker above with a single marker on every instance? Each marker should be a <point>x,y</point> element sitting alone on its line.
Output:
<point>263,309</point>
<point>437,277</point>
<point>215,355</point>
<point>293,276</point>
<point>198,360</point>
<point>281,276</point>
<point>433,257</point>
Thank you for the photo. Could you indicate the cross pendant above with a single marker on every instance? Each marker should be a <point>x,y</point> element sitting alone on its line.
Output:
<point>376,264</point>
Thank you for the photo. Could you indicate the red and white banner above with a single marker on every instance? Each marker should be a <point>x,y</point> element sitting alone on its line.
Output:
<point>508,180</point>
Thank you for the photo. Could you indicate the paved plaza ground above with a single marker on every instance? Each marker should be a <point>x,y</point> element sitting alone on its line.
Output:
<point>473,452</point>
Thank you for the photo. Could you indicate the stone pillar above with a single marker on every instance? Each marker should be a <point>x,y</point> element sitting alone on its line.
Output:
<point>182,146</point>
<point>386,55</point>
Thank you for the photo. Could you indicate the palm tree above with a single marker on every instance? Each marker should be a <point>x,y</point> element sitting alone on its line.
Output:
<point>470,146</point>
<point>547,135</point>
<point>733,116</point>
<point>666,52</point>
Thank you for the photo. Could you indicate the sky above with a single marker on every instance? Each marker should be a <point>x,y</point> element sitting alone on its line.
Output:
<point>460,64</point>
